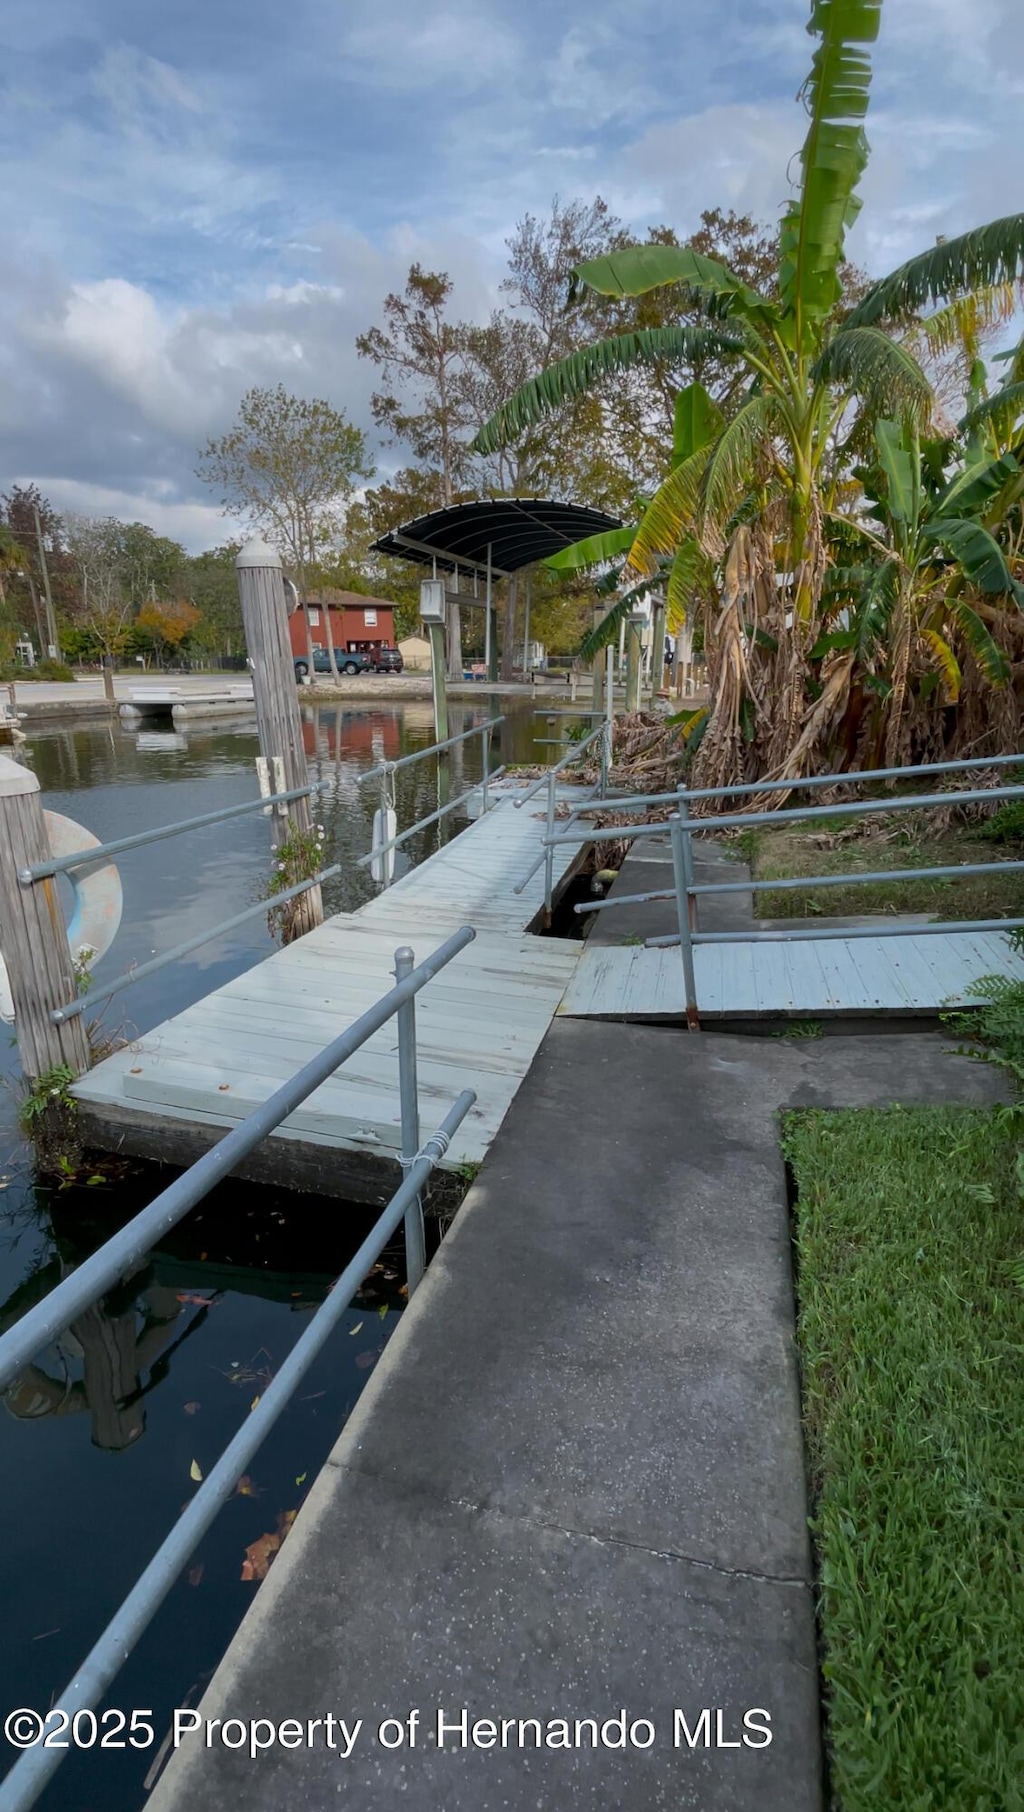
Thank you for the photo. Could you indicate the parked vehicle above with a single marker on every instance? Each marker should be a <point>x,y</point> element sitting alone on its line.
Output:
<point>345,662</point>
<point>388,660</point>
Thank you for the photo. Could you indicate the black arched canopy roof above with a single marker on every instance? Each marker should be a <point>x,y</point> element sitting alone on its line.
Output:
<point>518,531</point>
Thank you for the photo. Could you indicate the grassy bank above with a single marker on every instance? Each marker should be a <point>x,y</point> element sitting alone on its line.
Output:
<point>910,1252</point>
<point>840,846</point>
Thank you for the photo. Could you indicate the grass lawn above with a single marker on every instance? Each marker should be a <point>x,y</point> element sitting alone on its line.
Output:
<point>910,1255</point>
<point>838,846</point>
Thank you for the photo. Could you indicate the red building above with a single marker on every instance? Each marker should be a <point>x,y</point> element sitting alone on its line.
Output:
<point>357,624</point>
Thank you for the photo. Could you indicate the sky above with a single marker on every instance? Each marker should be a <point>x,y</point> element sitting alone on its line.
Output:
<point>211,195</point>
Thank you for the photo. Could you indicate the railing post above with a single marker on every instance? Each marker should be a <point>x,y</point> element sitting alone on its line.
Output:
<point>682,870</point>
<point>415,1243</point>
<point>40,971</point>
<point>486,745</point>
<point>549,853</point>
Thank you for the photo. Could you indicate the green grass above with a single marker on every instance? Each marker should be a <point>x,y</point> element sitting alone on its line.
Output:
<point>910,1238</point>
<point>826,847</point>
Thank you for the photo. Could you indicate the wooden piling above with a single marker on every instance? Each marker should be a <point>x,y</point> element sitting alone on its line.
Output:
<point>278,722</point>
<point>33,937</point>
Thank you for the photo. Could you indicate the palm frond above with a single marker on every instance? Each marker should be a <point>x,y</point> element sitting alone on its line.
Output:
<point>979,259</point>
<point>961,325</point>
<point>691,571</point>
<point>834,155</point>
<point>946,661</point>
<point>978,553</point>
<point>636,269</point>
<point>865,361</point>
<point>733,454</point>
<point>1004,407</point>
<point>608,629</point>
<point>696,420</point>
<point>976,488</point>
<point>672,513</point>
<point>593,550</point>
<point>987,653</point>
<point>572,377</point>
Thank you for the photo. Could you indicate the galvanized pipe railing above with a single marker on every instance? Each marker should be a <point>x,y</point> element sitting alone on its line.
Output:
<point>86,1002</point>
<point>546,859</point>
<point>680,826</point>
<point>404,761</point>
<point>121,1255</point>
<point>85,858</point>
<point>385,772</point>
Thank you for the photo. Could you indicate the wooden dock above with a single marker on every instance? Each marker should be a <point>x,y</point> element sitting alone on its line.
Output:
<point>171,1092</point>
<point>911,973</point>
<point>479,1023</point>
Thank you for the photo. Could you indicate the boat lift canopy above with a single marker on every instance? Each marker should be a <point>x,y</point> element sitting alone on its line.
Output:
<point>499,534</point>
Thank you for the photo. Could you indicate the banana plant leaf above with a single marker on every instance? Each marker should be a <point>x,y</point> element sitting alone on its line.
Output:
<point>593,550</point>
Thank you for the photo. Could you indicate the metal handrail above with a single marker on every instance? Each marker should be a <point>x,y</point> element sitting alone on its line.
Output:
<point>422,823</point>
<point>84,858</point>
<point>122,1253</point>
<point>686,890</point>
<point>386,769</point>
<point>849,808</point>
<point>85,1002</point>
<point>404,761</point>
<point>635,801</point>
<point>548,777</point>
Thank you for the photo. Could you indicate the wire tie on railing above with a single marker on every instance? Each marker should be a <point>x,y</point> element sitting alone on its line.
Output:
<point>434,1148</point>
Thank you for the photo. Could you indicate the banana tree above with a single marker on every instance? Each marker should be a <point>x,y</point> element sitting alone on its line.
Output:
<point>747,506</point>
<point>912,627</point>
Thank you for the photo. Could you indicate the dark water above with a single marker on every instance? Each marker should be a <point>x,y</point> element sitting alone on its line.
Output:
<point>101,1436</point>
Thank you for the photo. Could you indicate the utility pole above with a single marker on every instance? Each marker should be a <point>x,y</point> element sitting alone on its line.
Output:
<point>51,620</point>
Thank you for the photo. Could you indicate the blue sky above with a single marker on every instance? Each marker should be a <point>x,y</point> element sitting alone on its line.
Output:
<point>209,195</point>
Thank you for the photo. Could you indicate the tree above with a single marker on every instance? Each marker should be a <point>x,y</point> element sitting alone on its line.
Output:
<point>419,354</point>
<point>289,466</point>
<point>106,605</point>
<point>167,626</point>
<point>742,524</point>
<point>210,581</point>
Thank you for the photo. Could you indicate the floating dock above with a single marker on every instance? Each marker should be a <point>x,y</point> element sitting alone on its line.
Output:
<point>173,1091</point>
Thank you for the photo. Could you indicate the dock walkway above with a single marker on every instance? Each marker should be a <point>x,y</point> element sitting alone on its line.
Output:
<point>480,1022</point>
<point>574,1485</point>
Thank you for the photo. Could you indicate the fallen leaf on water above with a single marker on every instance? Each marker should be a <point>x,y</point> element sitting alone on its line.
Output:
<point>356,1329</point>
<point>382,1311</point>
<point>201,1302</point>
<point>259,1554</point>
<point>192,1409</point>
<point>246,1487</point>
<point>301,1480</point>
<point>195,1472</point>
<point>195,1574</point>
<point>365,1360</point>
<point>254,1402</point>
<point>403,1289</point>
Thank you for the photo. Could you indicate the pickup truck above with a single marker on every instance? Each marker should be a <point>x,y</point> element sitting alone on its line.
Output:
<point>345,662</point>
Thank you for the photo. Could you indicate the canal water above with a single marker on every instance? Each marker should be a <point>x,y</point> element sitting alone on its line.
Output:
<point>105,1436</point>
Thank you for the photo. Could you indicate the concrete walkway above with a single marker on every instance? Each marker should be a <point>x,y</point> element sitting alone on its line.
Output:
<point>575,1483</point>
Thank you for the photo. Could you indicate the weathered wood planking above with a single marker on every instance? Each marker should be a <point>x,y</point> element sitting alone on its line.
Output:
<point>906,974</point>
<point>479,1022</point>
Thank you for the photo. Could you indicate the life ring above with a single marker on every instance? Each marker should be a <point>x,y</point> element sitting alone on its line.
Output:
<point>97,901</point>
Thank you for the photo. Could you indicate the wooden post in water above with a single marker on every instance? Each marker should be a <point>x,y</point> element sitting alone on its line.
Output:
<point>278,723</point>
<point>658,648</point>
<point>435,631</point>
<point>33,939</point>
<point>634,662</point>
